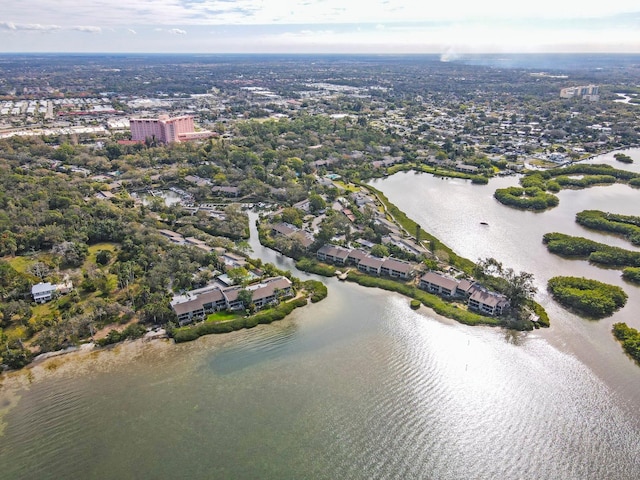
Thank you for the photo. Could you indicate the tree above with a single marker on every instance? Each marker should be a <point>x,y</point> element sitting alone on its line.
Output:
<point>39,269</point>
<point>103,257</point>
<point>520,289</point>
<point>238,275</point>
<point>316,203</point>
<point>379,251</point>
<point>73,253</point>
<point>292,215</point>
<point>246,297</point>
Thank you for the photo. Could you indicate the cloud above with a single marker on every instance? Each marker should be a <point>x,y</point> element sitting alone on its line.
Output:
<point>293,12</point>
<point>88,29</point>
<point>177,31</point>
<point>37,27</point>
<point>28,26</point>
<point>132,31</point>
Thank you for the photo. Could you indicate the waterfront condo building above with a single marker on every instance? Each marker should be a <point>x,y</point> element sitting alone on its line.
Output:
<point>588,92</point>
<point>165,129</point>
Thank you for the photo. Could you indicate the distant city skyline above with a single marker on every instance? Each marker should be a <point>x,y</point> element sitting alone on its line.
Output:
<point>319,26</point>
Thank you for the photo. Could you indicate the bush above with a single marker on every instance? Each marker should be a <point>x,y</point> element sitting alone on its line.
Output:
<point>133,331</point>
<point>589,297</point>
<point>585,181</point>
<point>478,180</point>
<point>543,318</point>
<point>415,304</point>
<point>318,290</point>
<point>313,266</point>
<point>103,257</point>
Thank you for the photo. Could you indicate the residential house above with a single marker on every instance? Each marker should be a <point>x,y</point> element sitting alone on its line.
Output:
<point>478,298</point>
<point>284,229</point>
<point>355,256</point>
<point>490,303</point>
<point>333,253</point>
<point>104,195</point>
<point>174,237</point>
<point>195,305</point>
<point>395,268</point>
<point>435,283</point>
<point>370,265</point>
<point>198,243</point>
<point>42,292</point>
<point>305,238</point>
<point>225,191</point>
<point>231,260</point>
<point>270,291</point>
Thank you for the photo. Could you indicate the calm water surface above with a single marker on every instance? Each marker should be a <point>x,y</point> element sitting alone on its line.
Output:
<point>358,386</point>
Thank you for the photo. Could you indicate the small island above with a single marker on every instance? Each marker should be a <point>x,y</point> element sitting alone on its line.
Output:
<point>627,225</point>
<point>631,274</point>
<point>629,338</point>
<point>621,157</point>
<point>535,185</point>
<point>596,252</point>
<point>586,297</point>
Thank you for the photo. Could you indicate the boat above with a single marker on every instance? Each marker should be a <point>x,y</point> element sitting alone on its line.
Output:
<point>484,223</point>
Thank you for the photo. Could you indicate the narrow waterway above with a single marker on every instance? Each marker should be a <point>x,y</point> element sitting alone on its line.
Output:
<point>358,386</point>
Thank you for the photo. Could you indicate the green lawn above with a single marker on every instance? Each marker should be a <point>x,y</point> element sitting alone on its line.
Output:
<point>223,315</point>
<point>94,249</point>
<point>348,187</point>
<point>20,264</point>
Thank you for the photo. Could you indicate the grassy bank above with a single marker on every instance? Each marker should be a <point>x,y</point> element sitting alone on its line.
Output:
<point>411,227</point>
<point>438,172</point>
<point>311,265</point>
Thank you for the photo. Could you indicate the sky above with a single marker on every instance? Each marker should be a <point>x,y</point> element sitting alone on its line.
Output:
<point>445,27</point>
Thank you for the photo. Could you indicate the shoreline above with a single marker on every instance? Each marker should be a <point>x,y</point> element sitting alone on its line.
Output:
<point>92,347</point>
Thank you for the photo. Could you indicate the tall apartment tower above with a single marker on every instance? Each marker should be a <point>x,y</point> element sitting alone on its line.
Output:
<point>164,129</point>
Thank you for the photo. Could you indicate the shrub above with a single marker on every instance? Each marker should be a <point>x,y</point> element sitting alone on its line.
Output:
<point>317,289</point>
<point>313,266</point>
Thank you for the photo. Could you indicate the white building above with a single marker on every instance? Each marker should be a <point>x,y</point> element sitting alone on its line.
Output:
<point>42,292</point>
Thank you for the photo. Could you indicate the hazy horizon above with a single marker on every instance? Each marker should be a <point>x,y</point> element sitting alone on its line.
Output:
<point>314,26</point>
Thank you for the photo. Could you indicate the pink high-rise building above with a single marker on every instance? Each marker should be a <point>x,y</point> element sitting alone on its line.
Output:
<point>164,129</point>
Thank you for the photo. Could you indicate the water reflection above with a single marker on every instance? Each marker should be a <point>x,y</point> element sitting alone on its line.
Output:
<point>515,337</point>
<point>358,386</point>
<point>274,342</point>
